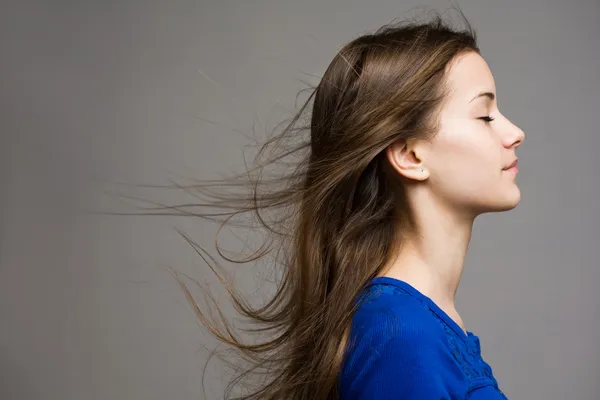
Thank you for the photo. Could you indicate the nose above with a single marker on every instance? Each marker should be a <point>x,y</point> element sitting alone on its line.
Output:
<point>514,136</point>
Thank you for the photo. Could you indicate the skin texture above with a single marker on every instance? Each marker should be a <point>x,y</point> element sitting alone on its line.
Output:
<point>453,178</point>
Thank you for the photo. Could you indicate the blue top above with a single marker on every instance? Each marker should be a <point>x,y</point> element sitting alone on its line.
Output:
<point>403,346</point>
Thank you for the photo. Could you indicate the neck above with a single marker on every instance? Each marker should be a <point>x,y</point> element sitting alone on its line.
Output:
<point>431,258</point>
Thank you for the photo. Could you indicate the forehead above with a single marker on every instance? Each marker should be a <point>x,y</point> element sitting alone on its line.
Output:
<point>467,76</point>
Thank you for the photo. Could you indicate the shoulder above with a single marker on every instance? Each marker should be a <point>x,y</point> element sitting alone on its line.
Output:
<point>391,316</point>
<point>396,345</point>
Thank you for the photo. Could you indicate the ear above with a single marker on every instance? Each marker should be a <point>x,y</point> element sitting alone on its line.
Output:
<point>403,156</point>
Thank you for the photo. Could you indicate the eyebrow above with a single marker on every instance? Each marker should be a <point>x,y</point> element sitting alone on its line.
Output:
<point>489,95</point>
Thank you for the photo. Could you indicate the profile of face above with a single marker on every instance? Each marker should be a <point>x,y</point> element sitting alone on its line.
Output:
<point>465,165</point>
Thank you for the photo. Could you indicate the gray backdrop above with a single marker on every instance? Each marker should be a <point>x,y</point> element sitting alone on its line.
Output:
<point>112,90</point>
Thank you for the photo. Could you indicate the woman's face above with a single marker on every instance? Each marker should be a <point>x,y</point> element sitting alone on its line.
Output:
<point>466,161</point>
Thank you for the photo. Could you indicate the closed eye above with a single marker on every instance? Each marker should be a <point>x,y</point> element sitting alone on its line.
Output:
<point>487,118</point>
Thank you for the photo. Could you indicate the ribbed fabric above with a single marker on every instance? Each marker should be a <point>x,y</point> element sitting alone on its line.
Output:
<point>403,346</point>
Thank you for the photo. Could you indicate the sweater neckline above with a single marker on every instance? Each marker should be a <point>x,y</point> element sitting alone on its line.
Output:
<point>411,290</point>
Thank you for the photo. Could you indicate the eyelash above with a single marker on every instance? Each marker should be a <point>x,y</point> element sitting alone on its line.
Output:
<point>487,118</point>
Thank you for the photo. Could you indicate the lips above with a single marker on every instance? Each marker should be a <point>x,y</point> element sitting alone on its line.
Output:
<point>514,164</point>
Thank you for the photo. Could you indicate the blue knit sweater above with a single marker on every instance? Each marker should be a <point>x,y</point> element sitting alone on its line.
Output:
<point>403,346</point>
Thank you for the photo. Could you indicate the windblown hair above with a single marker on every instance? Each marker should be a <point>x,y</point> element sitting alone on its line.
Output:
<point>340,213</point>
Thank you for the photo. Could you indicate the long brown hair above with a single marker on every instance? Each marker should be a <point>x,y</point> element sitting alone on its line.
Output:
<point>338,214</point>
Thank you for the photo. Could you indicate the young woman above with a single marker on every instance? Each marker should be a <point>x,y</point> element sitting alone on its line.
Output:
<point>405,146</point>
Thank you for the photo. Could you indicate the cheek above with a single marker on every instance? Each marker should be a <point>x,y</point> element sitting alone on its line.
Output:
<point>467,149</point>
<point>468,159</point>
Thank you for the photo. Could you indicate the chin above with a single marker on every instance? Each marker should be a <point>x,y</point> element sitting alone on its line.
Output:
<point>507,202</point>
